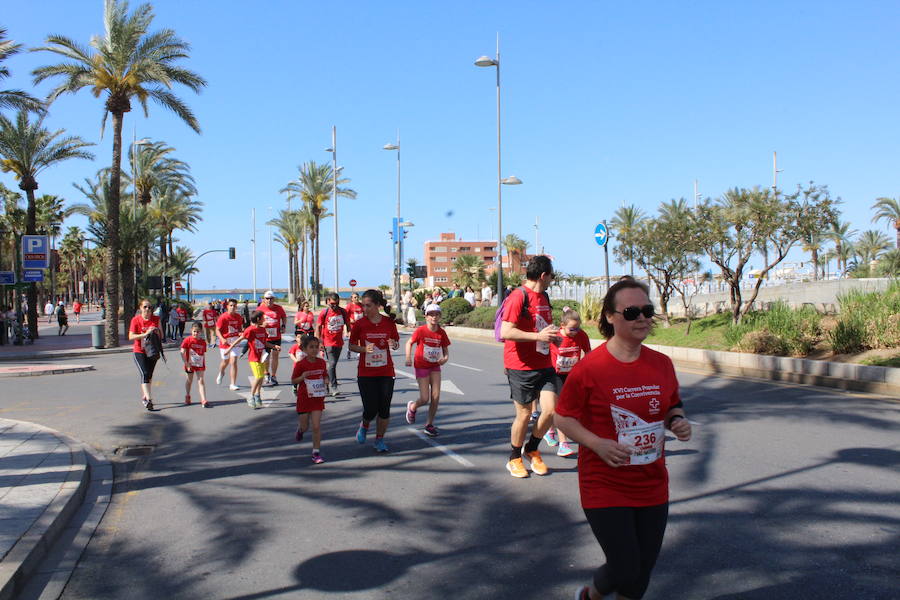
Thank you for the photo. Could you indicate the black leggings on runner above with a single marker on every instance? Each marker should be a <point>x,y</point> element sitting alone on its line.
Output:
<point>631,538</point>
<point>376,393</point>
<point>145,366</point>
<point>333,355</point>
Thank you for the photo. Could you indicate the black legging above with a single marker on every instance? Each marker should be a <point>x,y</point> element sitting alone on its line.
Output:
<point>631,538</point>
<point>145,366</point>
<point>333,355</point>
<point>376,393</point>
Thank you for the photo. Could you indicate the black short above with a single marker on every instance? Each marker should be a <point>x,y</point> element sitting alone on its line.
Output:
<point>526,386</point>
<point>276,342</point>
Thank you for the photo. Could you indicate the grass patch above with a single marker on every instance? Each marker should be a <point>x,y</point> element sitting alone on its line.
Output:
<point>707,333</point>
<point>883,361</point>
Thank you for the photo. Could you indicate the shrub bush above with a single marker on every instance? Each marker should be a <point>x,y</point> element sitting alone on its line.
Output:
<point>482,318</point>
<point>867,320</point>
<point>453,308</point>
<point>796,330</point>
<point>762,341</point>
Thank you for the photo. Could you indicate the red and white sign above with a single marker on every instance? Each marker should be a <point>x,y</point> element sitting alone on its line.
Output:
<point>178,285</point>
<point>352,283</point>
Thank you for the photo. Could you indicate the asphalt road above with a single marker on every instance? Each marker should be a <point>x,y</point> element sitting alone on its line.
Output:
<point>784,492</point>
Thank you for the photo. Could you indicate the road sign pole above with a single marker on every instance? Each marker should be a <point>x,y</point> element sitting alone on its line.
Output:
<point>606,255</point>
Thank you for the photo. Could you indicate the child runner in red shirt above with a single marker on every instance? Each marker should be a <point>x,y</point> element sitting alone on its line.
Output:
<point>257,344</point>
<point>310,375</point>
<point>431,352</point>
<point>193,353</point>
<point>209,316</point>
<point>355,312</point>
<point>565,355</point>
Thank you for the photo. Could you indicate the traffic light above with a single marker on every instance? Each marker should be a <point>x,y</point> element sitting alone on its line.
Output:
<point>231,253</point>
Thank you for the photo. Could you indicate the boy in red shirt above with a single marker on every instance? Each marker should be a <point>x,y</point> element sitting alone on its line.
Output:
<point>76,308</point>
<point>355,312</point>
<point>310,375</point>
<point>332,322</point>
<point>275,320</point>
<point>257,344</point>
<point>565,355</point>
<point>193,353</point>
<point>431,352</point>
<point>209,316</point>
<point>527,331</point>
<point>228,330</point>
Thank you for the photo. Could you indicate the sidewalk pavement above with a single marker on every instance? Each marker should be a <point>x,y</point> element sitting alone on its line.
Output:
<point>43,478</point>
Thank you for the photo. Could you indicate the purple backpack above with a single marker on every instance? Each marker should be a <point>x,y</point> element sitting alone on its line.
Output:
<point>498,320</point>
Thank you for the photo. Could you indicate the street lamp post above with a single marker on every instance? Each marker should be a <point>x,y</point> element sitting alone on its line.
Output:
<point>486,61</point>
<point>397,242</point>
<point>334,187</point>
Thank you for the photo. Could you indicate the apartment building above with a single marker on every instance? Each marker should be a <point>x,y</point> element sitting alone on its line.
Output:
<point>441,254</point>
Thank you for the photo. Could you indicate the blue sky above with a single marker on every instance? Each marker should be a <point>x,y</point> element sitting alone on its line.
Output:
<point>603,103</point>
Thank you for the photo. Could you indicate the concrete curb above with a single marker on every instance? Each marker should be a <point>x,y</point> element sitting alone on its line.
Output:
<point>25,557</point>
<point>76,352</point>
<point>844,376</point>
<point>46,371</point>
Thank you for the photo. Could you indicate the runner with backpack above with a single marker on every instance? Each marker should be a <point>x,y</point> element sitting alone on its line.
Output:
<point>330,329</point>
<point>525,324</point>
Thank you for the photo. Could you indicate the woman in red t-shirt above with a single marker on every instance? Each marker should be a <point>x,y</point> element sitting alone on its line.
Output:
<point>431,343</point>
<point>143,325</point>
<point>304,320</point>
<point>310,375</point>
<point>373,337</point>
<point>617,403</point>
<point>565,354</point>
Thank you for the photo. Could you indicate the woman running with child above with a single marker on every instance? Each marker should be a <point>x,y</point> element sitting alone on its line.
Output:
<point>431,343</point>
<point>144,332</point>
<point>373,337</point>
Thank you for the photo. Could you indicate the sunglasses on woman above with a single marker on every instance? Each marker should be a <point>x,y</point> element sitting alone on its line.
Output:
<point>631,313</point>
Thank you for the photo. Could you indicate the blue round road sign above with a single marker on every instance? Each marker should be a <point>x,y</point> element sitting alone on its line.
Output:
<point>601,234</point>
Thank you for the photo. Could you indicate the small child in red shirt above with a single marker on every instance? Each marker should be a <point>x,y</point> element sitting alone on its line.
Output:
<point>565,355</point>
<point>193,353</point>
<point>310,375</point>
<point>257,346</point>
<point>431,352</point>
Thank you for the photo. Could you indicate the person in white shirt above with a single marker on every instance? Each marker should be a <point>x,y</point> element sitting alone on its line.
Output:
<point>470,296</point>
<point>486,295</point>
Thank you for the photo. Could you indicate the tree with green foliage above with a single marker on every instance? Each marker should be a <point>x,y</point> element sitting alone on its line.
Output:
<point>468,271</point>
<point>817,213</point>
<point>840,233</point>
<point>26,150</point>
<point>870,245</point>
<point>15,99</point>
<point>127,62</point>
<point>626,223</point>
<point>888,209</point>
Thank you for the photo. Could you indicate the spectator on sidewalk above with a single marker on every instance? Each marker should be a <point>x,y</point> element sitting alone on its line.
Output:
<point>48,311</point>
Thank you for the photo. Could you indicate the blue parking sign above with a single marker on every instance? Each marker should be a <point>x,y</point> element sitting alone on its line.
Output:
<point>7,278</point>
<point>35,252</point>
<point>32,275</point>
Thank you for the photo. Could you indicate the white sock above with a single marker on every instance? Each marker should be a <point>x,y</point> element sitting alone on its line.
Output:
<point>315,450</point>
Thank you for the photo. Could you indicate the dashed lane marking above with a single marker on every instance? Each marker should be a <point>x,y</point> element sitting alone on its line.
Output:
<point>441,447</point>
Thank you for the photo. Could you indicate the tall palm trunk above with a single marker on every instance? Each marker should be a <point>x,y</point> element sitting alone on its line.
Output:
<point>29,185</point>
<point>815,261</point>
<point>296,270</point>
<point>291,290</point>
<point>315,263</point>
<point>303,268</point>
<point>111,279</point>
<point>128,285</point>
<point>163,255</point>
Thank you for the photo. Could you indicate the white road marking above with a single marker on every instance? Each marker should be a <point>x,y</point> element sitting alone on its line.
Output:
<point>446,385</point>
<point>442,448</point>
<point>464,367</point>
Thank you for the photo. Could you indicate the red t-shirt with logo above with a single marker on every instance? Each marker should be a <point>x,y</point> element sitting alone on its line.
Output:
<point>140,325</point>
<point>430,346</point>
<point>196,353</point>
<point>273,318</point>
<point>256,342</point>
<point>333,322</point>
<point>209,317</point>
<point>567,354</point>
<point>527,356</point>
<point>230,325</point>
<point>76,307</point>
<point>377,363</point>
<point>304,320</point>
<point>355,310</point>
<point>310,396</point>
<point>626,402</point>
<point>182,313</point>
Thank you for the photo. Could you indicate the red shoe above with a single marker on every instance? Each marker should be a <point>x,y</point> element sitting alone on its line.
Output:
<point>187,399</point>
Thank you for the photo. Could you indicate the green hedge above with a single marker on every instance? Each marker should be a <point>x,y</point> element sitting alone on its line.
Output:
<point>867,321</point>
<point>453,308</point>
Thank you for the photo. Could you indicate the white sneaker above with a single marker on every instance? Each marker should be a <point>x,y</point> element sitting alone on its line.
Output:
<point>233,387</point>
<point>219,379</point>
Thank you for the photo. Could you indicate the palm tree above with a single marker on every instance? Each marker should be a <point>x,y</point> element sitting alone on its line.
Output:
<point>172,209</point>
<point>71,253</point>
<point>28,149</point>
<point>314,188</point>
<point>515,248</point>
<point>468,270</point>
<point>842,236</point>
<point>291,232</point>
<point>153,169</point>
<point>888,209</point>
<point>626,222</point>
<point>870,245</point>
<point>16,99</point>
<point>182,263</point>
<point>125,63</point>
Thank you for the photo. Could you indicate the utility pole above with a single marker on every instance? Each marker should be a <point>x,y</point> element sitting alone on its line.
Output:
<point>606,254</point>
<point>253,247</point>
<point>775,172</point>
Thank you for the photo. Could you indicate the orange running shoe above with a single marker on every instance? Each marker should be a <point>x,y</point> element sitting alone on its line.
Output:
<point>516,468</point>
<point>537,463</point>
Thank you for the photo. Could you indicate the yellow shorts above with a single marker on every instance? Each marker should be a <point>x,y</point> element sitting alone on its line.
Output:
<point>258,369</point>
